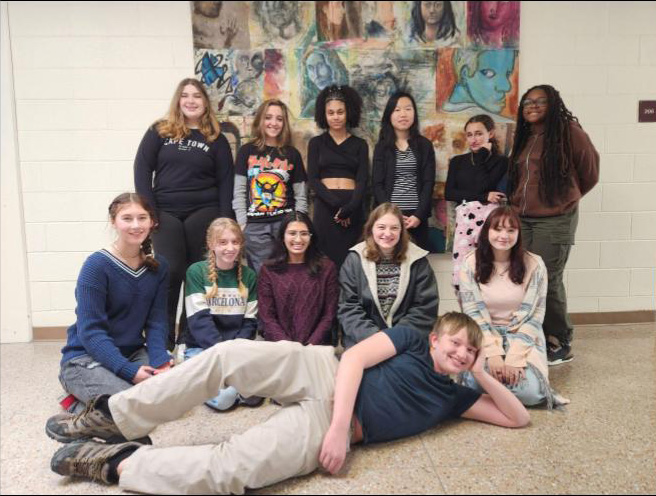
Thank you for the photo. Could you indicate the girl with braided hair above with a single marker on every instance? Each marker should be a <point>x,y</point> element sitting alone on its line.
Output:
<point>119,337</point>
<point>552,166</point>
<point>221,301</point>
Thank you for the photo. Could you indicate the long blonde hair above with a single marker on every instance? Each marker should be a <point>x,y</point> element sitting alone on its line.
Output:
<point>285,137</point>
<point>213,233</point>
<point>372,251</point>
<point>173,125</point>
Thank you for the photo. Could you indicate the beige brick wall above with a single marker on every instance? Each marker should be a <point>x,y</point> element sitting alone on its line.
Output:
<point>90,77</point>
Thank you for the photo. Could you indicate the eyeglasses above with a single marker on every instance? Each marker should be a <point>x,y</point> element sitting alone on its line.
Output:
<point>302,234</point>
<point>538,102</point>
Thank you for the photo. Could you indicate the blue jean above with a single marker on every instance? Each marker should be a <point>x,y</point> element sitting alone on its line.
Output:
<point>226,397</point>
<point>530,390</point>
<point>85,378</point>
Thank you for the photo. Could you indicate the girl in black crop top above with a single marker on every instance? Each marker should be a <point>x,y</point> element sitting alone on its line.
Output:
<point>338,166</point>
<point>475,181</point>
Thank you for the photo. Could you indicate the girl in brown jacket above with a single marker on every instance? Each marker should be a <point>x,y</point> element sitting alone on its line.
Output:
<point>553,164</point>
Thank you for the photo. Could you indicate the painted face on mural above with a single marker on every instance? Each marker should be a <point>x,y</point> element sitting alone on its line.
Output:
<point>281,14</point>
<point>208,9</point>
<point>490,82</point>
<point>432,12</point>
<point>494,14</point>
<point>334,12</point>
<point>319,71</point>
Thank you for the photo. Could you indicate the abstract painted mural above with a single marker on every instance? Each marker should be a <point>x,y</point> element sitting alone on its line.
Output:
<point>457,58</point>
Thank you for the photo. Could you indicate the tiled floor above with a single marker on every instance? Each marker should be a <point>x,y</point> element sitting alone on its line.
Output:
<point>603,443</point>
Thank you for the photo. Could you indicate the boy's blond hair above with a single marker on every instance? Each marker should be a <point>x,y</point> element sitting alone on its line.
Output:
<point>452,322</point>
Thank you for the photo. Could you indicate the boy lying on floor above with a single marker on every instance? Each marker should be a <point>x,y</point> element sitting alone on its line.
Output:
<point>391,385</point>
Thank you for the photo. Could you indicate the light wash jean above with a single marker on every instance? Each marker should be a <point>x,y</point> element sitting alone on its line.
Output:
<point>531,391</point>
<point>86,378</point>
<point>226,398</point>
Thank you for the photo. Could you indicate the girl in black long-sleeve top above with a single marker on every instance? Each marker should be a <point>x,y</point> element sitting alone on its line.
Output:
<point>338,166</point>
<point>404,166</point>
<point>184,168</point>
<point>474,183</point>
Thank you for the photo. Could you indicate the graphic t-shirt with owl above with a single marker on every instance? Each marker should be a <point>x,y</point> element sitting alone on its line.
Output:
<point>271,175</point>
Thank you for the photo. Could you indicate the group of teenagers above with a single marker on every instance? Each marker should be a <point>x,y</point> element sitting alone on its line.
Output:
<point>308,282</point>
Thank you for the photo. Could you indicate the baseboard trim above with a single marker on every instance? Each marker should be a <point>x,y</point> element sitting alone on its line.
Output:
<point>610,318</point>
<point>599,318</point>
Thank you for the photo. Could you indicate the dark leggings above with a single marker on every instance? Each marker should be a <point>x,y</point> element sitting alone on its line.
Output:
<point>181,240</point>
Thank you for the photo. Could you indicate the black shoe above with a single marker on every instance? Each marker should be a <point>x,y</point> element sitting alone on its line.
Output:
<point>90,459</point>
<point>557,354</point>
<point>251,401</point>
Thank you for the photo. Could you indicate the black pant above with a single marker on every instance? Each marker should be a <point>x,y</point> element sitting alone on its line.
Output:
<point>419,234</point>
<point>181,240</point>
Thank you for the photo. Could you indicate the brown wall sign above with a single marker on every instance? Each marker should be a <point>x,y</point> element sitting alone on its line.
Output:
<point>647,111</point>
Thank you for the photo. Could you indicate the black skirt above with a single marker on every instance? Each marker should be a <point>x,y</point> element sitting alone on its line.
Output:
<point>335,240</point>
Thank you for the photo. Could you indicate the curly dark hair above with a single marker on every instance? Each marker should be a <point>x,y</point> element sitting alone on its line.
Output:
<point>556,165</point>
<point>345,93</point>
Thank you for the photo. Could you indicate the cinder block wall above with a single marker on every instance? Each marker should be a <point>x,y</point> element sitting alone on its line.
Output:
<point>90,77</point>
<point>602,58</point>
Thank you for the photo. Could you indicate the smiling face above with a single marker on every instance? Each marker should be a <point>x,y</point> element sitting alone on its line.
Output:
<point>403,115</point>
<point>192,104</point>
<point>503,236</point>
<point>336,115</point>
<point>226,245</point>
<point>535,106</point>
<point>297,239</point>
<point>386,233</point>
<point>452,353</point>
<point>477,135</point>
<point>133,224</point>
<point>273,124</point>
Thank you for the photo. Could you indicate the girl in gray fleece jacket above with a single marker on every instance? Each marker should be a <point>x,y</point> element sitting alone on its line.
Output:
<point>386,281</point>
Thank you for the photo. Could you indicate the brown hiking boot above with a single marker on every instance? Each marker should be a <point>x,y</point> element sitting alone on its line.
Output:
<point>92,422</point>
<point>89,459</point>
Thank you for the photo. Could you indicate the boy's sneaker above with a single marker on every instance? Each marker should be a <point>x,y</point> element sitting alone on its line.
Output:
<point>94,421</point>
<point>557,354</point>
<point>90,459</point>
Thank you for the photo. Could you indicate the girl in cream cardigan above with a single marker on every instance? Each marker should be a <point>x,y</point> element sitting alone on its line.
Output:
<point>503,288</point>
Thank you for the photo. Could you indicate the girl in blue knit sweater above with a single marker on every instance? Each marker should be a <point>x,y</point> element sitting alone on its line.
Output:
<point>119,337</point>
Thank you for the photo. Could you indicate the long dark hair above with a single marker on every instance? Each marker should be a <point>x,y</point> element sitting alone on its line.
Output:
<point>487,121</point>
<point>556,165</point>
<point>485,255</point>
<point>280,257</point>
<point>447,23</point>
<point>387,136</point>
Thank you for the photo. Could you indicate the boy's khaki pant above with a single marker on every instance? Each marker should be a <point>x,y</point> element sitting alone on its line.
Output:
<point>288,444</point>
